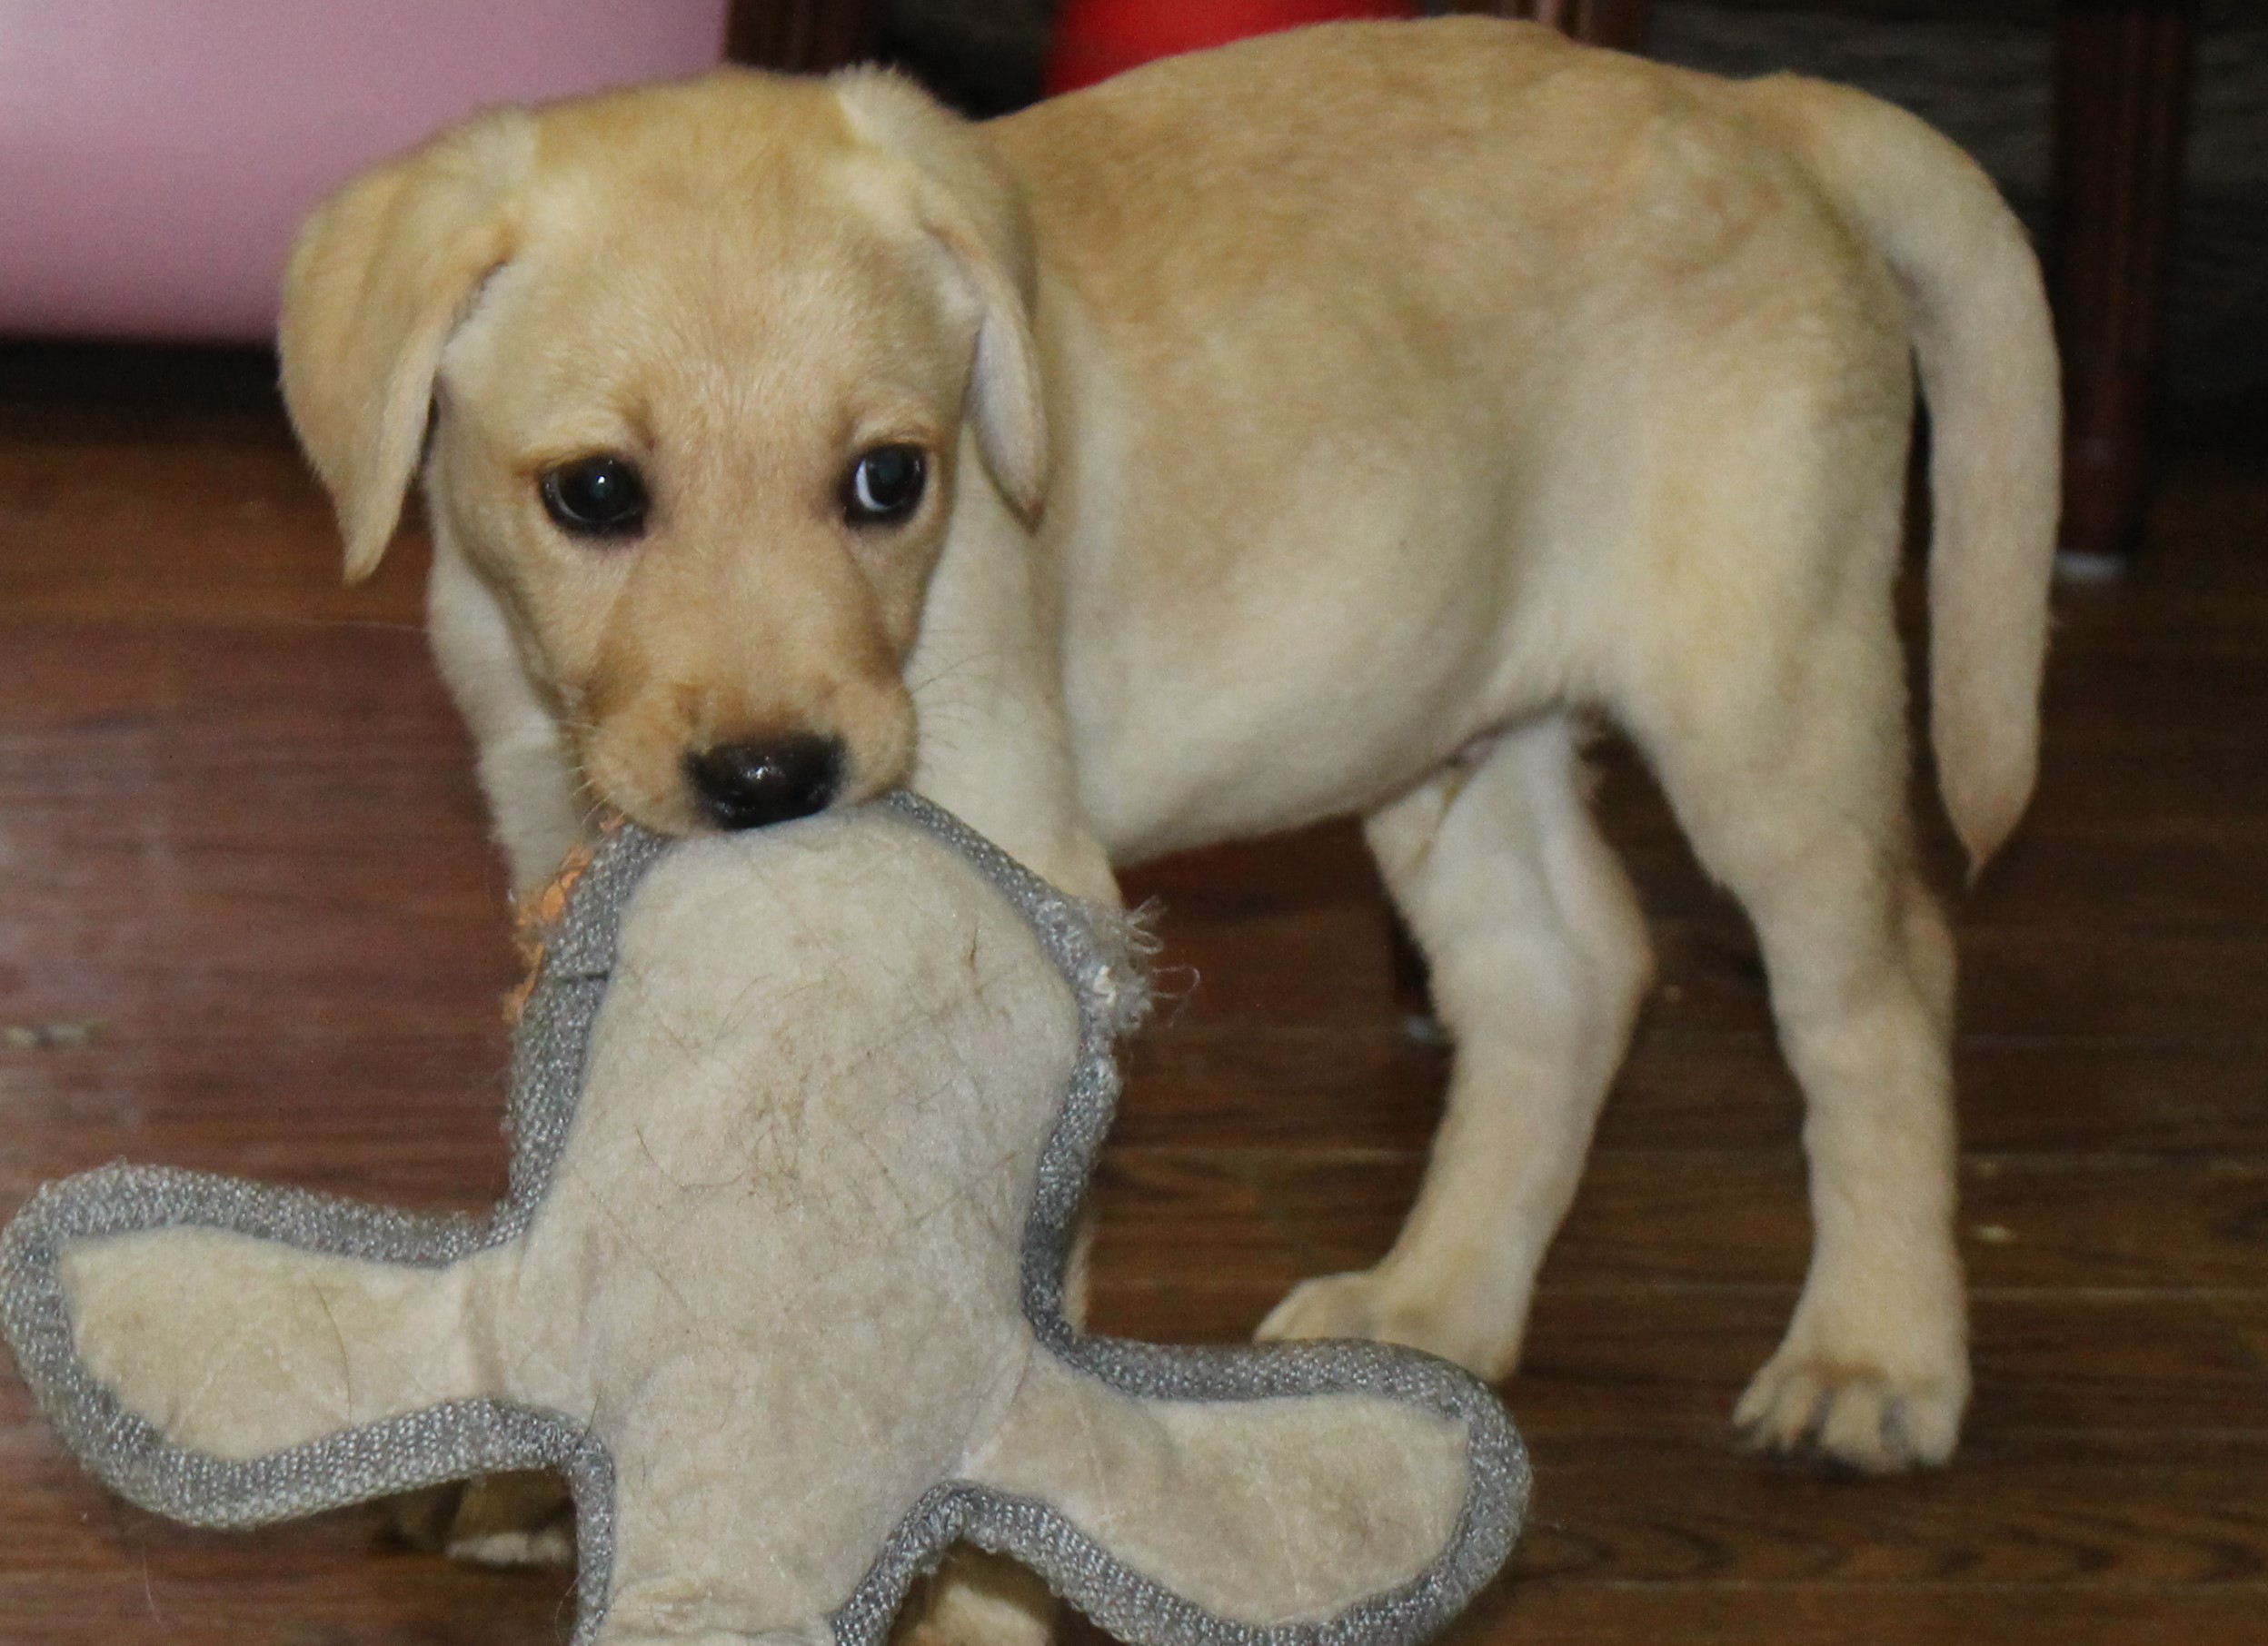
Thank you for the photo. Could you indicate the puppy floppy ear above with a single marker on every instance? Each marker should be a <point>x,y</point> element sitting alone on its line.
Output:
<point>968,200</point>
<point>379,278</point>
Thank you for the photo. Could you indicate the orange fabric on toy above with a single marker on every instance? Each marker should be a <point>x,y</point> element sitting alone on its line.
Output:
<point>534,916</point>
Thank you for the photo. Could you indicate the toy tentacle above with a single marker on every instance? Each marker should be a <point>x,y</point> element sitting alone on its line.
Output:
<point>1271,1513</point>
<point>236,1346</point>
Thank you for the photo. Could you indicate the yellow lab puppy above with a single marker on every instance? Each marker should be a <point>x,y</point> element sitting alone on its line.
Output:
<point>1315,427</point>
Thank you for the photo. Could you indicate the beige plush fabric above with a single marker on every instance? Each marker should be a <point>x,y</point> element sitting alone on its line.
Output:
<point>238,1347</point>
<point>1264,1512</point>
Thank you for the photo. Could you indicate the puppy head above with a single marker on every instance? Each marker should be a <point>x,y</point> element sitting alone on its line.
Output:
<point>690,367</point>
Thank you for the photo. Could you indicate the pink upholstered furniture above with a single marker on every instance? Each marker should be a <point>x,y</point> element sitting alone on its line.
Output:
<point>155,154</point>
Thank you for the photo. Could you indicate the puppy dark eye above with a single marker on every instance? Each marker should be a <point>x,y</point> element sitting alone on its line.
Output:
<point>884,486</point>
<point>601,496</point>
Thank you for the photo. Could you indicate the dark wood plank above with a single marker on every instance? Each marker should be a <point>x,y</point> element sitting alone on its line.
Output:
<point>2085,977</point>
<point>1700,1614</point>
<point>246,865</point>
<point>1362,1085</point>
<point>1667,1361</point>
<point>1643,1221</point>
<point>184,530</point>
<point>2105,1513</point>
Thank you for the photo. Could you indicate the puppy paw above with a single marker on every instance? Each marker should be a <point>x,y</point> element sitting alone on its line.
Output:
<point>521,1518</point>
<point>1851,1416</point>
<point>1331,1305</point>
<point>975,1599</point>
<point>544,1546</point>
<point>1361,1305</point>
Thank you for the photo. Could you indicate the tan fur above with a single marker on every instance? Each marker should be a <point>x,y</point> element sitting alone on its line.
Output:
<point>1322,426</point>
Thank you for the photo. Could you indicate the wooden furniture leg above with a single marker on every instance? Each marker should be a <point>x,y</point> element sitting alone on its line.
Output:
<point>803,37</point>
<point>2122,88</point>
<point>1620,24</point>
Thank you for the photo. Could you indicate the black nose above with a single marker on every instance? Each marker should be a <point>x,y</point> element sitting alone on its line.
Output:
<point>750,785</point>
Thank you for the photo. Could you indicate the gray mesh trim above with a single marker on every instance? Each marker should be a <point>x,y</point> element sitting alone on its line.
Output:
<point>471,1437</point>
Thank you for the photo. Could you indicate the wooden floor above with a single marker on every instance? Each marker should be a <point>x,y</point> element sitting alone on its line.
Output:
<point>248,922</point>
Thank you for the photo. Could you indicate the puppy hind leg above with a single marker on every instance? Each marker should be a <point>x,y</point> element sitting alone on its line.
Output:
<point>1539,961</point>
<point>1800,815</point>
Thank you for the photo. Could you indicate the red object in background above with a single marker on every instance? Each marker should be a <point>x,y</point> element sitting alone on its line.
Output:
<point>1095,39</point>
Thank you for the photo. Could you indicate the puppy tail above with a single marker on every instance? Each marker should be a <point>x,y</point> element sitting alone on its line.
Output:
<point>1986,350</point>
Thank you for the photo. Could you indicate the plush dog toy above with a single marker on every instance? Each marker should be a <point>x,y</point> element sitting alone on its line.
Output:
<point>801,1121</point>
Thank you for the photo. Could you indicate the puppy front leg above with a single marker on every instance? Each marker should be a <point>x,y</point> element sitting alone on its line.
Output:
<point>525,769</point>
<point>994,745</point>
<point>1539,961</point>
